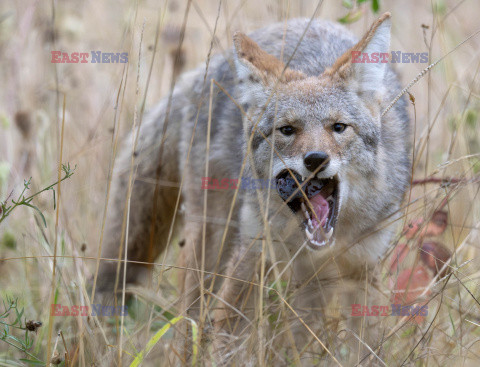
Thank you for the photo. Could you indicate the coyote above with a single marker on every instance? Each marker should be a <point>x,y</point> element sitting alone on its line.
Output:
<point>287,103</point>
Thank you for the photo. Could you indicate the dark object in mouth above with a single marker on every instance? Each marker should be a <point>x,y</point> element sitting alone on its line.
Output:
<point>317,205</point>
<point>286,186</point>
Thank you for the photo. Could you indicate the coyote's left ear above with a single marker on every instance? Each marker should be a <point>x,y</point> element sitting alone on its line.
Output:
<point>356,71</point>
<point>257,69</point>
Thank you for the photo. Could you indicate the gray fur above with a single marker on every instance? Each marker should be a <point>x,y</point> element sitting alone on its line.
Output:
<point>375,163</point>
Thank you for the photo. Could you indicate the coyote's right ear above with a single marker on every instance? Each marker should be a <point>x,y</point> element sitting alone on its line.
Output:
<point>365,77</point>
<point>257,68</point>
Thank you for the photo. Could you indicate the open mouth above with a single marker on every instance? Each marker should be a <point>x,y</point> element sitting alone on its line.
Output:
<point>320,211</point>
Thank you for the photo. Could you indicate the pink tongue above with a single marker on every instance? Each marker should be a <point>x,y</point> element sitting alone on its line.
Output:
<point>320,205</point>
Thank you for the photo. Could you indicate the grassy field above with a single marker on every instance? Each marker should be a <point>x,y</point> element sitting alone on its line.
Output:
<point>54,113</point>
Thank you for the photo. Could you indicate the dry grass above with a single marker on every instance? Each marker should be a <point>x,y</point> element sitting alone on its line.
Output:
<point>102,101</point>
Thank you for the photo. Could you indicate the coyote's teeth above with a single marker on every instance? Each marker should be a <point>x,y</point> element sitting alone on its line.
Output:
<point>329,234</point>
<point>304,210</point>
<point>329,198</point>
<point>303,178</point>
<point>310,224</point>
<point>309,235</point>
<point>319,244</point>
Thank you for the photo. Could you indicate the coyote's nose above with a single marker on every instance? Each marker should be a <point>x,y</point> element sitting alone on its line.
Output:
<point>313,160</point>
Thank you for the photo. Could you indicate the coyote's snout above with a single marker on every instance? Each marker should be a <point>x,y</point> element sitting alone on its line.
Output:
<point>292,107</point>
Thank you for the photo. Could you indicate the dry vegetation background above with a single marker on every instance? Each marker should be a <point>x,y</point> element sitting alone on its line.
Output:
<point>447,142</point>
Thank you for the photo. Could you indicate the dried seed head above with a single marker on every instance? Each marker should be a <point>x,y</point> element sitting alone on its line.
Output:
<point>412,98</point>
<point>23,120</point>
<point>56,359</point>
<point>434,256</point>
<point>32,325</point>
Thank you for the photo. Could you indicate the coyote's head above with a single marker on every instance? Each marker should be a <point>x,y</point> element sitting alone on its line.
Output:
<point>325,131</point>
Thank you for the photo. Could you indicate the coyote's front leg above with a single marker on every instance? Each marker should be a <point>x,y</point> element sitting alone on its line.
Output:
<point>235,310</point>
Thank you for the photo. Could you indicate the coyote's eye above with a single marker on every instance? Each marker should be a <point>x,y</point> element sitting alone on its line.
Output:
<point>339,127</point>
<point>287,130</point>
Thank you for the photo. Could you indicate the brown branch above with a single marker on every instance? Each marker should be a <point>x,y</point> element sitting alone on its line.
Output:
<point>445,181</point>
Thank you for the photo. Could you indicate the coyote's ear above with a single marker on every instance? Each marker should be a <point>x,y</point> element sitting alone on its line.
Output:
<point>365,75</point>
<point>257,68</point>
